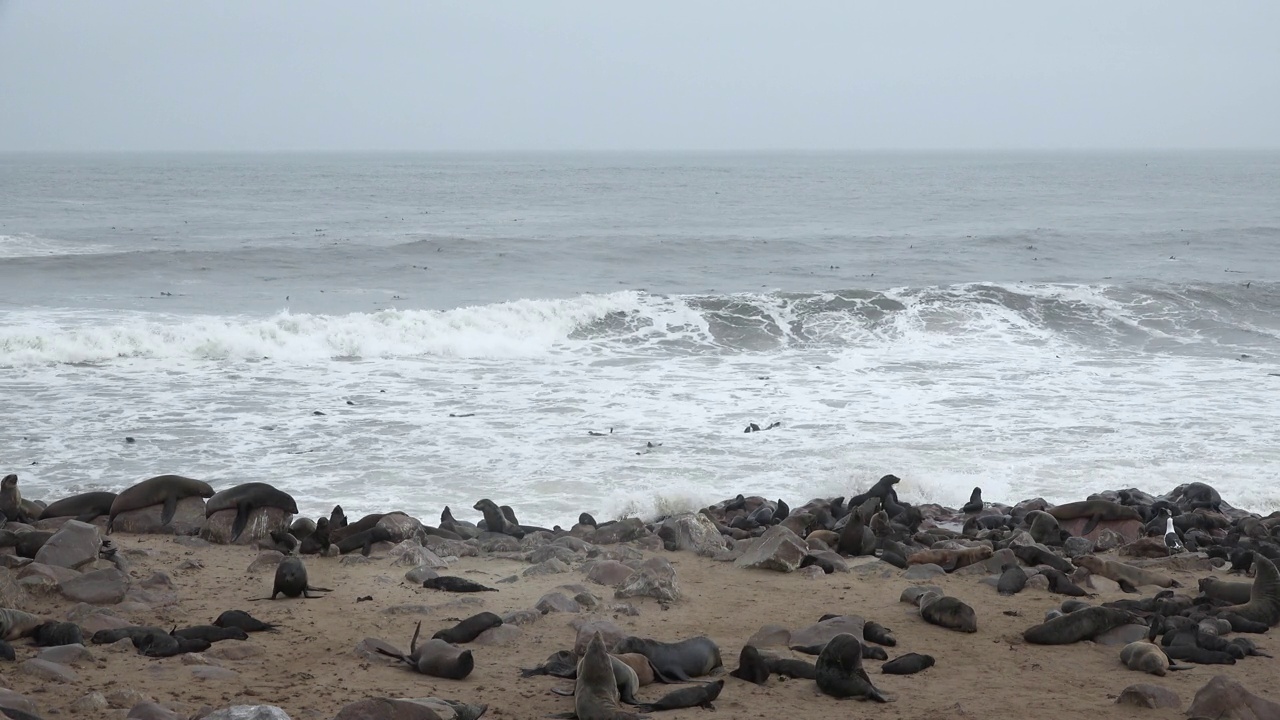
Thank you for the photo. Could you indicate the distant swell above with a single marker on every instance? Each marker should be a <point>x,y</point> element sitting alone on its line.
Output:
<point>1222,317</point>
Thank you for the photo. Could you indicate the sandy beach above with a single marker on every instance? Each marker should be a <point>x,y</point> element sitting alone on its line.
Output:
<point>311,667</point>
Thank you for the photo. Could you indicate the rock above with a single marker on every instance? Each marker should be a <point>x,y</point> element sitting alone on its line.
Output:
<point>123,646</point>
<point>53,573</point>
<point>1122,635</point>
<point>1146,695</point>
<point>188,519</point>
<point>262,522</point>
<point>191,659</point>
<point>1116,532</point>
<point>778,549</point>
<point>1225,698</point>
<point>609,632</point>
<point>557,602</point>
<point>554,552</point>
<point>91,619</point>
<point>577,545</point>
<point>1037,582</point>
<point>75,544</point>
<point>420,574</point>
<point>1183,562</point>
<point>191,564</point>
<point>127,698</point>
<point>622,531</point>
<point>157,580</point>
<point>502,635</point>
<point>400,526</point>
<point>521,617</point>
<point>66,654</point>
<point>93,703</point>
<point>692,531</point>
<point>813,572</point>
<point>822,632</point>
<point>1074,547</point>
<point>265,563</point>
<point>1147,547</point>
<point>411,554</point>
<point>386,709</point>
<point>923,571</point>
<point>625,608</point>
<point>840,564</point>
<point>191,541</point>
<point>350,560</point>
<point>100,587</point>
<point>772,636</point>
<point>14,701</point>
<point>411,609</point>
<point>234,651</point>
<point>150,711</point>
<point>549,567</point>
<point>47,671</point>
<point>654,578</point>
<point>608,572</point>
<point>213,672</point>
<point>12,595</point>
<point>247,712</point>
<point>990,566</point>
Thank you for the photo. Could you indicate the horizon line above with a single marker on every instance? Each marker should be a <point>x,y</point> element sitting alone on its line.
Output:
<point>640,151</point>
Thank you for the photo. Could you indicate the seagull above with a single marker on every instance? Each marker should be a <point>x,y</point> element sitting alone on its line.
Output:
<point>1171,537</point>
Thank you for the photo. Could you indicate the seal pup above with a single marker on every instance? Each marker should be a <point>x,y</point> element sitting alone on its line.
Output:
<point>1148,658</point>
<point>674,662</point>
<point>1096,511</point>
<point>246,498</point>
<point>244,621</point>
<point>84,507</point>
<point>1264,596</point>
<point>495,521</point>
<point>948,612</point>
<point>908,664</point>
<point>53,633</point>
<point>337,518</point>
<point>15,624</point>
<point>210,633</point>
<point>697,696</point>
<point>873,631</point>
<point>318,542</point>
<point>291,579</point>
<point>11,499</point>
<point>595,690</point>
<point>840,673</point>
<point>1080,625</point>
<point>436,658</point>
<point>1060,583</point>
<point>1012,579</point>
<point>951,560</point>
<point>452,583</point>
<point>164,490</point>
<point>469,629</point>
<point>751,666</point>
<point>6,651</point>
<point>1129,577</point>
<point>561,663</point>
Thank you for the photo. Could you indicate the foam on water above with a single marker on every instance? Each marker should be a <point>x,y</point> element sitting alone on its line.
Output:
<point>1024,390</point>
<point>25,245</point>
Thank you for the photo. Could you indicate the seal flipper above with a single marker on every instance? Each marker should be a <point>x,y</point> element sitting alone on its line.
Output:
<point>1093,523</point>
<point>671,678</point>
<point>242,519</point>
<point>562,692</point>
<point>170,507</point>
<point>1127,586</point>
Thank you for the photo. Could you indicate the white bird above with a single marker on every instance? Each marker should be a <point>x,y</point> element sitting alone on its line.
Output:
<point>1171,536</point>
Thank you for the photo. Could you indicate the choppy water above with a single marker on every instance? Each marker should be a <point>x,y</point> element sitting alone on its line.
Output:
<point>1037,325</point>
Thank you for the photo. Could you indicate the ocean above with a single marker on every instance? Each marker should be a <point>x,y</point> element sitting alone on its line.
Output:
<point>406,332</point>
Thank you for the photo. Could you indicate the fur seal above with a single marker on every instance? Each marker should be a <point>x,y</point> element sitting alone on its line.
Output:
<point>595,690</point>
<point>674,662</point>
<point>948,612</point>
<point>1129,577</point>
<point>291,579</point>
<point>1012,579</point>
<point>908,664</point>
<point>318,542</point>
<point>469,629</point>
<point>883,487</point>
<point>246,498</point>
<point>363,540</point>
<point>1044,528</point>
<point>436,658</point>
<point>873,631</point>
<point>244,621</point>
<point>1264,596</point>
<point>975,503</point>
<point>84,507</point>
<point>30,542</point>
<point>951,560</point>
<point>11,499</point>
<point>751,666</point>
<point>495,521</point>
<point>561,663</point>
<point>210,633</point>
<point>697,696</point>
<point>6,651</point>
<point>1096,511</point>
<point>53,633</point>
<point>856,538</point>
<point>1061,584</point>
<point>1080,625</point>
<point>840,673</point>
<point>1236,593</point>
<point>164,490</point>
<point>337,518</point>
<point>1148,658</point>
<point>452,583</point>
<point>16,624</point>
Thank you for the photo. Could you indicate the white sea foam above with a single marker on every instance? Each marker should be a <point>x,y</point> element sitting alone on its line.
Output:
<point>25,245</point>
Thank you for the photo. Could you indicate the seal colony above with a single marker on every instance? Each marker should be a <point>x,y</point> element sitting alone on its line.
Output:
<point>798,598</point>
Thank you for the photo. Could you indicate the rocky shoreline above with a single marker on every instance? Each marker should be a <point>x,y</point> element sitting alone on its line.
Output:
<point>1017,608</point>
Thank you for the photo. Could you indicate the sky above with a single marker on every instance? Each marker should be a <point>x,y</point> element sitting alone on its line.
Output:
<point>550,75</point>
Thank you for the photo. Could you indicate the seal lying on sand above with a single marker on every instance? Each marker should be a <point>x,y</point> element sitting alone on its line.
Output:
<point>697,696</point>
<point>1129,577</point>
<point>436,658</point>
<point>674,662</point>
<point>1080,625</point>
<point>1264,596</point>
<point>595,691</point>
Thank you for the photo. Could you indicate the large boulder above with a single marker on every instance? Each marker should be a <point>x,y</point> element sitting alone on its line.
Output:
<point>248,712</point>
<point>73,545</point>
<point>1226,699</point>
<point>654,578</point>
<point>1146,695</point>
<point>100,587</point>
<point>821,633</point>
<point>778,549</point>
<point>261,523</point>
<point>692,531</point>
<point>188,519</point>
<point>622,531</point>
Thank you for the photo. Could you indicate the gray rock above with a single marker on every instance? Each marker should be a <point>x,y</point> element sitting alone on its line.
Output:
<point>411,609</point>
<point>265,563</point>
<point>449,709</point>
<point>521,617</point>
<point>386,709</point>
<point>502,635</point>
<point>654,578</point>
<point>234,651</point>
<point>191,541</point>
<point>410,554</point>
<point>586,628</point>
<point>778,549</point>
<point>622,531</point>
<point>349,560</point>
<point>213,672</point>
<point>608,572</point>
<point>693,531</point>
<point>188,518</point>
<point>549,567</point>
<point>66,654</point>
<point>73,545</point>
<point>53,573</point>
<point>1074,547</point>
<point>127,698</point>
<point>554,552</point>
<point>577,545</point>
<point>15,701</point>
<point>47,671</point>
<point>157,580</point>
<point>93,703</point>
<point>1146,695</point>
<point>1037,582</point>
<point>495,543</point>
<point>12,595</point>
<point>262,522</point>
<point>100,587</point>
<point>1223,697</point>
<point>151,711</point>
<point>923,572</point>
<point>247,712</point>
<point>625,608</point>
<point>822,632</point>
<point>557,602</point>
<point>400,526</point>
<point>813,572</point>
<point>420,574</point>
<point>1109,539</point>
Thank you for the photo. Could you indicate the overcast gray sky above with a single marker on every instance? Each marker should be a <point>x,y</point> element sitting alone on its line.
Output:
<point>652,74</point>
